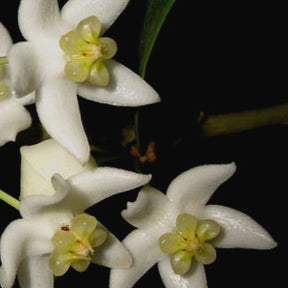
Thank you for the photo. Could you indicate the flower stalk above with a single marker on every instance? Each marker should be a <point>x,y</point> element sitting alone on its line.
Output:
<point>9,200</point>
<point>3,60</point>
<point>224,124</point>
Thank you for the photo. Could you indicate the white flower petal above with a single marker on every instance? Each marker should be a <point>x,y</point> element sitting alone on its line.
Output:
<point>35,272</point>
<point>151,206</point>
<point>98,184</point>
<point>5,40</point>
<point>19,240</point>
<point>38,17</point>
<point>195,278</point>
<point>112,253</point>
<point>125,88</point>
<point>14,118</point>
<point>36,205</point>
<point>107,11</point>
<point>193,188</point>
<point>238,229</point>
<point>23,68</point>
<point>41,161</point>
<point>145,251</point>
<point>58,110</point>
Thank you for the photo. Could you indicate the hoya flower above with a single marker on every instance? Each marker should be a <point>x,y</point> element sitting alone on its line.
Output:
<point>14,117</point>
<point>66,55</point>
<point>55,233</point>
<point>179,232</point>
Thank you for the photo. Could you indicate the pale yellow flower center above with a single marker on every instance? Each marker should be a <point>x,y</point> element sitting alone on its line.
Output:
<point>189,240</point>
<point>74,244</point>
<point>85,52</point>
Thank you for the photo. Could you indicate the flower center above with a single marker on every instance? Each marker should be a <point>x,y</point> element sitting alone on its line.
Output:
<point>189,240</point>
<point>86,53</point>
<point>74,244</point>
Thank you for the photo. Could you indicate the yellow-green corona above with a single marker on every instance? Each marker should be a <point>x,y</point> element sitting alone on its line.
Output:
<point>188,240</point>
<point>74,244</point>
<point>86,53</point>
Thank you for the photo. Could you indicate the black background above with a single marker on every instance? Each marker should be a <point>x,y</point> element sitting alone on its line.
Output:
<point>211,57</point>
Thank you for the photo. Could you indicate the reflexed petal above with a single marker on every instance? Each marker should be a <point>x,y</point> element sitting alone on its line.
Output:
<point>59,263</point>
<point>5,40</point>
<point>80,265</point>
<point>109,47</point>
<point>77,70</point>
<point>99,74</point>
<point>58,110</point>
<point>35,205</point>
<point>107,11</point>
<point>151,206</point>
<point>112,253</point>
<point>193,188</point>
<point>195,278</point>
<point>93,186</point>
<point>89,28</point>
<point>98,237</point>
<point>145,252</point>
<point>181,262</point>
<point>186,225</point>
<point>19,240</point>
<point>208,229</point>
<point>23,68</point>
<point>44,19</point>
<point>83,225</point>
<point>71,42</point>
<point>206,254</point>
<point>41,161</point>
<point>34,272</point>
<point>125,88</point>
<point>238,230</point>
<point>14,118</point>
<point>170,243</point>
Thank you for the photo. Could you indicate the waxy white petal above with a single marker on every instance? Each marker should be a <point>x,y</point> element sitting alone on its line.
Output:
<point>151,206</point>
<point>98,184</point>
<point>34,272</point>
<point>112,253</point>
<point>38,17</point>
<point>58,109</point>
<point>195,278</point>
<point>145,251</point>
<point>107,11</point>
<point>41,161</point>
<point>5,40</point>
<point>21,239</point>
<point>125,88</point>
<point>238,230</point>
<point>36,205</point>
<point>23,66</point>
<point>193,188</point>
<point>14,118</point>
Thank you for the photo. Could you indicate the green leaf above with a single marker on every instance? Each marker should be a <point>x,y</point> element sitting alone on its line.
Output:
<point>156,13</point>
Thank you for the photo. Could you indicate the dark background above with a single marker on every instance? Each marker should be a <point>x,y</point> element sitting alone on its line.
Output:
<point>211,57</point>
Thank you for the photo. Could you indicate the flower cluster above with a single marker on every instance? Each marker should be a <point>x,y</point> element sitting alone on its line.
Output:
<point>65,55</point>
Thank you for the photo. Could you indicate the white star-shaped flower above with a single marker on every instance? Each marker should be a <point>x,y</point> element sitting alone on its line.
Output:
<point>64,56</point>
<point>54,232</point>
<point>178,231</point>
<point>14,117</point>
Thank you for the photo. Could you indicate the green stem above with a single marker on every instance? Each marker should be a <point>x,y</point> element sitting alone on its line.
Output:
<point>9,200</point>
<point>3,60</point>
<point>223,124</point>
